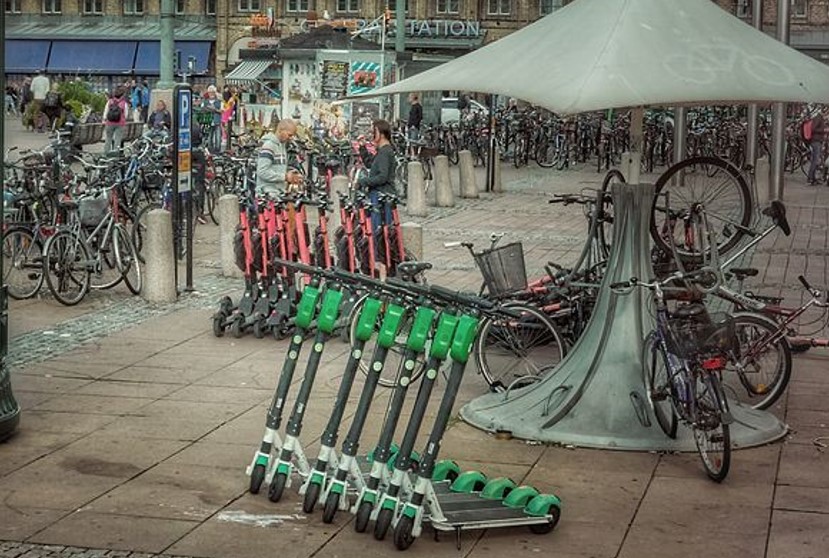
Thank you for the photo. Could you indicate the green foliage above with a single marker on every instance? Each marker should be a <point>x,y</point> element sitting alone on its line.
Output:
<point>81,93</point>
<point>75,106</point>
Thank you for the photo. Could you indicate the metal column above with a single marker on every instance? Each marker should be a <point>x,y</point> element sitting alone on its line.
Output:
<point>753,109</point>
<point>680,133</point>
<point>167,80</point>
<point>779,111</point>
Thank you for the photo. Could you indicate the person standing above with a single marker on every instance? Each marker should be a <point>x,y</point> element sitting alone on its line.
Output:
<point>115,119</point>
<point>272,173</point>
<point>40,88</point>
<point>25,94</point>
<point>415,117</point>
<point>160,118</point>
<point>380,177</point>
<point>816,143</point>
<point>53,105</point>
<point>144,94</point>
<point>213,104</point>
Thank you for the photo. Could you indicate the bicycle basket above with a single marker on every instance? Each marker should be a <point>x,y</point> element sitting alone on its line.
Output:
<point>708,334</point>
<point>503,269</point>
<point>91,211</point>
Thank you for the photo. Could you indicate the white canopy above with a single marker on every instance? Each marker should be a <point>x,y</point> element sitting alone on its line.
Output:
<point>597,54</point>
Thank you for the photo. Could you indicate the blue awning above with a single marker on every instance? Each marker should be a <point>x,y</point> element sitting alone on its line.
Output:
<point>92,57</point>
<point>24,56</point>
<point>149,55</point>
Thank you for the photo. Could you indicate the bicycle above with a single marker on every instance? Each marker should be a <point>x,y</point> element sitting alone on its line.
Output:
<point>683,359</point>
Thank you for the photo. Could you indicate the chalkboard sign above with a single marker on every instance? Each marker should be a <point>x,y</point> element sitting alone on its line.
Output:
<point>334,79</point>
<point>362,116</point>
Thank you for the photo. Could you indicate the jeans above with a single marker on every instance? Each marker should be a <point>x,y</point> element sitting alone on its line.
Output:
<point>113,137</point>
<point>817,148</point>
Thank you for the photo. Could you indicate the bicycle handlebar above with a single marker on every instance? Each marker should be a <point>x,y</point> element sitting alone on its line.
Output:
<point>676,276</point>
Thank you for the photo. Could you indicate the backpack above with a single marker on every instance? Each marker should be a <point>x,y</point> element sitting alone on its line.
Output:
<point>52,100</point>
<point>114,112</point>
<point>808,130</point>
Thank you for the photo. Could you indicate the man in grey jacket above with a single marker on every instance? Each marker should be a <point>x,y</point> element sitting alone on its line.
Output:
<point>272,173</point>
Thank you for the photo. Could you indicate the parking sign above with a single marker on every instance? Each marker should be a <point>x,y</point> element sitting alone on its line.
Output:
<point>184,104</point>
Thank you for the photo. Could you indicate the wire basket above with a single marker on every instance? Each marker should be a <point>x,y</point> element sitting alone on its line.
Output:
<point>503,269</point>
<point>91,211</point>
<point>711,333</point>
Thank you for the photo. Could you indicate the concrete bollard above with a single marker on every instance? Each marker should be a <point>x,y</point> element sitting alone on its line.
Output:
<point>339,184</point>
<point>762,179</point>
<point>444,196</point>
<point>228,221</point>
<point>497,186</point>
<point>159,271</point>
<point>416,191</point>
<point>469,188</point>
<point>413,239</point>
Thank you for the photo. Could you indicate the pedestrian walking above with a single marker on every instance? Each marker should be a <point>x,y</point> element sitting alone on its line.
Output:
<point>815,132</point>
<point>40,88</point>
<point>115,119</point>
<point>53,105</point>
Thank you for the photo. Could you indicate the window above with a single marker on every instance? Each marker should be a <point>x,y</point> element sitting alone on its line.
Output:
<point>800,9</point>
<point>549,6</point>
<point>448,6</point>
<point>133,7</point>
<point>13,6</point>
<point>499,7</point>
<point>93,7</point>
<point>297,5</point>
<point>210,7</point>
<point>393,6</point>
<point>180,6</point>
<point>348,5</point>
<point>51,6</point>
<point>247,6</point>
<point>744,8</point>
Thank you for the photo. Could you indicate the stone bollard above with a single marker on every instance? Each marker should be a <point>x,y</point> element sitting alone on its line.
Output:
<point>339,184</point>
<point>497,186</point>
<point>469,188</point>
<point>762,179</point>
<point>228,221</point>
<point>415,191</point>
<point>160,279</point>
<point>413,239</point>
<point>444,196</point>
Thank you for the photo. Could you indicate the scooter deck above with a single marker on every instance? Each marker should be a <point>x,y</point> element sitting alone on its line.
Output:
<point>467,511</point>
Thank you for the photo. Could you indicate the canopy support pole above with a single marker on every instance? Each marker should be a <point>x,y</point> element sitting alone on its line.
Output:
<point>779,111</point>
<point>753,109</point>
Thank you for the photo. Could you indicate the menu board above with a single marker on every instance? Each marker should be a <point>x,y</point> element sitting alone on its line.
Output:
<point>363,116</point>
<point>334,79</point>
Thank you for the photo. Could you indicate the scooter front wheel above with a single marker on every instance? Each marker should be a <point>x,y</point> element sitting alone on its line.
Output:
<point>403,537</point>
<point>219,325</point>
<point>312,495</point>
<point>277,487</point>
<point>382,524</point>
<point>257,476</point>
<point>332,504</point>
<point>236,328</point>
<point>363,517</point>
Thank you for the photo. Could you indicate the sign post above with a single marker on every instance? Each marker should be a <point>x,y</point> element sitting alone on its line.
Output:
<point>182,181</point>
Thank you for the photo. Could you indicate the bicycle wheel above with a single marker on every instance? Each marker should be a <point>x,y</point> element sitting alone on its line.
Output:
<point>546,155</point>
<point>761,374</point>
<point>712,436</point>
<point>22,263</point>
<point>658,387</point>
<point>696,186</point>
<point>212,202</point>
<point>511,351</point>
<point>126,260</point>
<point>66,268</point>
<point>388,376</point>
<point>105,274</point>
<point>606,229</point>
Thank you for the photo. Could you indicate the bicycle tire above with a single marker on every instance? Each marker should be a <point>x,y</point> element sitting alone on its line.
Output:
<point>735,218</point>
<point>22,263</point>
<point>507,350</point>
<point>711,434</point>
<point>546,155</point>
<point>767,370</point>
<point>658,388</point>
<point>65,263</point>
<point>212,203</point>
<point>395,356</point>
<point>126,259</point>
<point>108,276</point>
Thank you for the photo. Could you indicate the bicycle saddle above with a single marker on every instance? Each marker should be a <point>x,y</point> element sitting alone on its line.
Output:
<point>742,272</point>
<point>407,270</point>
<point>689,311</point>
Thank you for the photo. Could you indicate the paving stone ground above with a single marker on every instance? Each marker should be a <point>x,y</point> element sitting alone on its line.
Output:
<point>137,424</point>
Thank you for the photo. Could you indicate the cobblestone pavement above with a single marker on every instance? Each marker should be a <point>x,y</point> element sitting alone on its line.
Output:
<point>26,550</point>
